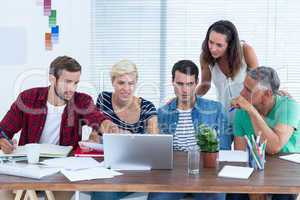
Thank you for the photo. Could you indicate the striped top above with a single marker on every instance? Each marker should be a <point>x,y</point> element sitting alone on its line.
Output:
<point>184,136</point>
<point>148,110</point>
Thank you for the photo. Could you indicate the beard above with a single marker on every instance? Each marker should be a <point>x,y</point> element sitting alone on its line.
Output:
<point>60,96</point>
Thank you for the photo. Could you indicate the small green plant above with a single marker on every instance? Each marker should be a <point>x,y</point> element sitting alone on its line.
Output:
<point>207,139</point>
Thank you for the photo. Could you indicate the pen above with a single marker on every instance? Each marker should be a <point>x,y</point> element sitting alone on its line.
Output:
<point>6,137</point>
<point>257,139</point>
<point>231,109</point>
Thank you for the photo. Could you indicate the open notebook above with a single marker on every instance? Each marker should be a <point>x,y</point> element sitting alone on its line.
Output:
<point>47,150</point>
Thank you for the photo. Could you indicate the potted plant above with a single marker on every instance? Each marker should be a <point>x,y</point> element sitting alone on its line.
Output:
<point>207,140</point>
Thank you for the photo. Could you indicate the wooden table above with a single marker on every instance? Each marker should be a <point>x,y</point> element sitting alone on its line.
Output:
<point>279,176</point>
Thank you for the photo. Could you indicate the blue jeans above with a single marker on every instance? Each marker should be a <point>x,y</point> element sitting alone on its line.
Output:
<point>284,196</point>
<point>226,142</point>
<point>108,195</point>
<point>178,196</point>
<point>236,196</point>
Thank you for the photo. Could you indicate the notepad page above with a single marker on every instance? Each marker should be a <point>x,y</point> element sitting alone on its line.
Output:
<point>89,174</point>
<point>235,172</point>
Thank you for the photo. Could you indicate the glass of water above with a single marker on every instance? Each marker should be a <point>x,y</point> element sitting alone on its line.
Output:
<point>193,159</point>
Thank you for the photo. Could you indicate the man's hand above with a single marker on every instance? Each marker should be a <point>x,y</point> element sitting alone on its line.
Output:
<point>6,146</point>
<point>241,102</point>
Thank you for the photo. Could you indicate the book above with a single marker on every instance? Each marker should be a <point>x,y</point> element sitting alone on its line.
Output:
<point>95,153</point>
<point>46,150</point>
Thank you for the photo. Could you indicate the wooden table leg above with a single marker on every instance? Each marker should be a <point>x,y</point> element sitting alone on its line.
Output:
<point>19,194</point>
<point>49,195</point>
<point>31,195</point>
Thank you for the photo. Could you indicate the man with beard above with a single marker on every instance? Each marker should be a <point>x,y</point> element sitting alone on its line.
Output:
<point>53,114</point>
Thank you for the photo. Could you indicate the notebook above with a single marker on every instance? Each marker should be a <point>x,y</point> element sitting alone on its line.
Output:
<point>80,153</point>
<point>47,150</point>
<point>233,156</point>
<point>235,172</point>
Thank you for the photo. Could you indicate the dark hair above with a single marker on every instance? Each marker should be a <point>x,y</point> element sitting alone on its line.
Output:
<point>267,77</point>
<point>234,50</point>
<point>186,67</point>
<point>63,63</point>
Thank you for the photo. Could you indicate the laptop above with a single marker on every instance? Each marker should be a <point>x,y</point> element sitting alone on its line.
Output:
<point>138,151</point>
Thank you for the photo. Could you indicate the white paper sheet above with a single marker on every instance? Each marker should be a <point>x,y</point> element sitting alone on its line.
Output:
<point>26,170</point>
<point>233,156</point>
<point>292,157</point>
<point>235,172</point>
<point>89,174</point>
<point>72,163</point>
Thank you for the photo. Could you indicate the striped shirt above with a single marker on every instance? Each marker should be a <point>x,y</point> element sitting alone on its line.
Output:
<point>184,136</point>
<point>148,110</point>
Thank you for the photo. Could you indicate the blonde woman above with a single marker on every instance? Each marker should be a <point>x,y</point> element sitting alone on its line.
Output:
<point>131,113</point>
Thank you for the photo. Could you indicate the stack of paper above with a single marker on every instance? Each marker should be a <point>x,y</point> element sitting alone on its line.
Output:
<point>74,168</point>
<point>46,150</point>
<point>26,170</point>
<point>235,172</point>
<point>292,157</point>
<point>233,156</point>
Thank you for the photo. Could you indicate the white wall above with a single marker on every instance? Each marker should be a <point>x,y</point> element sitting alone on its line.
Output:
<point>24,62</point>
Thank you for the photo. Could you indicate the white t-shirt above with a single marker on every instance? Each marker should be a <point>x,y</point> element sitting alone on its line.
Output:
<point>228,88</point>
<point>51,131</point>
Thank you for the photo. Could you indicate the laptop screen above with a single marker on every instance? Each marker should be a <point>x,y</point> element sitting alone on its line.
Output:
<point>138,151</point>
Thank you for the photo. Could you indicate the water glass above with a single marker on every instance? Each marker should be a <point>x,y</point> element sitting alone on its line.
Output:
<point>193,160</point>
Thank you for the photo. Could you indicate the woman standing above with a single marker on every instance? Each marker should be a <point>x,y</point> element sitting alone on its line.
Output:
<point>225,60</point>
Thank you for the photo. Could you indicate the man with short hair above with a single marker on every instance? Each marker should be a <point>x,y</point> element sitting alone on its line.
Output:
<point>183,115</point>
<point>53,114</point>
<point>262,112</point>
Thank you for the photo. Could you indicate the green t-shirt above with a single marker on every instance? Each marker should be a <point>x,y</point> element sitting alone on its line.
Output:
<point>285,111</point>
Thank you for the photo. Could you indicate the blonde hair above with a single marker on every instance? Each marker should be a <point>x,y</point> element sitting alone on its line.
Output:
<point>123,67</point>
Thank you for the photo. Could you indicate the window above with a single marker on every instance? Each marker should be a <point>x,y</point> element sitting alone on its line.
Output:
<point>155,34</point>
<point>127,30</point>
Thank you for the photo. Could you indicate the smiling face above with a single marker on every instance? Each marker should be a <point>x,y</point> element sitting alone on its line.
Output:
<point>65,85</point>
<point>217,44</point>
<point>124,86</point>
<point>184,87</point>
